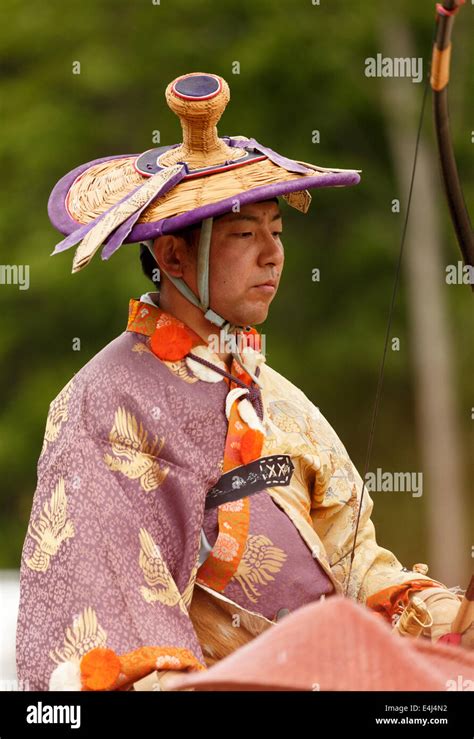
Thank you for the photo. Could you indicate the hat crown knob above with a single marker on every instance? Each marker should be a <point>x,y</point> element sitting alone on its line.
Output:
<point>199,100</point>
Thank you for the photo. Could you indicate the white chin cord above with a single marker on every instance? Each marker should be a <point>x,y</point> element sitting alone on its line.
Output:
<point>227,329</point>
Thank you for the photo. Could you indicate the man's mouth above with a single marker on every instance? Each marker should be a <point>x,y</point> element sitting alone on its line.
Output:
<point>269,286</point>
<point>269,289</point>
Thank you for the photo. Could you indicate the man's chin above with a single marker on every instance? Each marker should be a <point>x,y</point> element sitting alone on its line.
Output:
<point>250,314</point>
<point>253,318</point>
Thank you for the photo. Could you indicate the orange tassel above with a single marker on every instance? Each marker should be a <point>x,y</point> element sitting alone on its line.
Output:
<point>251,445</point>
<point>170,342</point>
<point>100,669</point>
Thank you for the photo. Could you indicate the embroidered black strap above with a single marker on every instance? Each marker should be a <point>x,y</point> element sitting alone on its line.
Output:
<point>247,479</point>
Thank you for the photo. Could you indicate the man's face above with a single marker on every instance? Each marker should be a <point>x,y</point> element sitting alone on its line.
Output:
<point>246,251</point>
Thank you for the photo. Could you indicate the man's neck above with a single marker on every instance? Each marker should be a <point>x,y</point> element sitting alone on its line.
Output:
<point>193,317</point>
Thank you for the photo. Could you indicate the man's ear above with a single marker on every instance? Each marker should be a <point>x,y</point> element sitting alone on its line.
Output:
<point>171,253</point>
<point>159,245</point>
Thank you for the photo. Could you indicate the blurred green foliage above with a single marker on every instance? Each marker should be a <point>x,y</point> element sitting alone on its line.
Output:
<point>301,69</point>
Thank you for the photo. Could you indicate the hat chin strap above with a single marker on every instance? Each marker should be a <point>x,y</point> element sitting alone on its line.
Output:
<point>202,302</point>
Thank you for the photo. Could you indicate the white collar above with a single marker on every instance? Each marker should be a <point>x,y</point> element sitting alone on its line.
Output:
<point>148,298</point>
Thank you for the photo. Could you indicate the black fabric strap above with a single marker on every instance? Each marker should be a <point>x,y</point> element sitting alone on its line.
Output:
<point>265,472</point>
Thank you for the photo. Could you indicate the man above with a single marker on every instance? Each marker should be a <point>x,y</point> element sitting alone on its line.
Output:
<point>189,496</point>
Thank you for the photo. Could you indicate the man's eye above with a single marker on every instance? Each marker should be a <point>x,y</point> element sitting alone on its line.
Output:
<point>247,234</point>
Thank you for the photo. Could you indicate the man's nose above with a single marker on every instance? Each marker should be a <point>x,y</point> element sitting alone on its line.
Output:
<point>271,248</point>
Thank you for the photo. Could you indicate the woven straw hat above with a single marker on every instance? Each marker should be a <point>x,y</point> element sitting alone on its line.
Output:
<point>135,198</point>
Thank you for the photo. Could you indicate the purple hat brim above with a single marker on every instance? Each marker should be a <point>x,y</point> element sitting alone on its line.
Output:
<point>60,218</point>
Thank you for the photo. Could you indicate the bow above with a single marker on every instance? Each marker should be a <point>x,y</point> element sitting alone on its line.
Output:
<point>439,79</point>
<point>440,65</point>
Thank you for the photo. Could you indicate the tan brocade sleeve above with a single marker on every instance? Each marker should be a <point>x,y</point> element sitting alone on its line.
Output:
<point>332,487</point>
<point>334,515</point>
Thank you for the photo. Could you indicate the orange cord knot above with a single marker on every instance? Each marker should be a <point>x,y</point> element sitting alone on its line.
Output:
<point>251,445</point>
<point>100,669</point>
<point>170,342</point>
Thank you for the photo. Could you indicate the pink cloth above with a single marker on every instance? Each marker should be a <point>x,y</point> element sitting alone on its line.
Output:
<point>337,645</point>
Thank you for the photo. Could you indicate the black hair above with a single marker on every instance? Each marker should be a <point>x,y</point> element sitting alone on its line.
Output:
<point>189,234</point>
